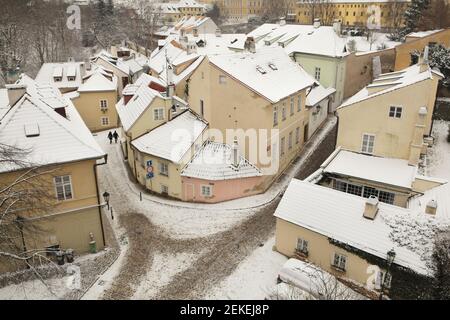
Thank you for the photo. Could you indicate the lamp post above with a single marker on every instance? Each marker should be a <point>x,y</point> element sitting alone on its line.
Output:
<point>106,197</point>
<point>390,259</point>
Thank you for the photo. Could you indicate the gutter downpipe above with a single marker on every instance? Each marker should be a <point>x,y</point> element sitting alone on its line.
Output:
<point>105,157</point>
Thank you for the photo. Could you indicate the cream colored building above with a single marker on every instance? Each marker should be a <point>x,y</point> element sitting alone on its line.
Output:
<point>400,105</point>
<point>40,119</point>
<point>96,98</point>
<point>66,76</point>
<point>351,237</point>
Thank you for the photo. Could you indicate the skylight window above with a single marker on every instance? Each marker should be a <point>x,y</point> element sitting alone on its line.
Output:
<point>31,130</point>
<point>273,66</point>
<point>261,70</point>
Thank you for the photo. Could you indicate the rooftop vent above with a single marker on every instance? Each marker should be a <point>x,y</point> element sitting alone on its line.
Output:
<point>371,208</point>
<point>32,130</point>
<point>261,70</point>
<point>273,66</point>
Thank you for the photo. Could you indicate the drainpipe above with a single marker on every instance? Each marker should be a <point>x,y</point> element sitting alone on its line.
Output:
<point>98,195</point>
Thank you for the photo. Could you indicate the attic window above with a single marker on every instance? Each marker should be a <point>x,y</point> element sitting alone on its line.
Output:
<point>57,79</point>
<point>261,70</point>
<point>32,130</point>
<point>273,66</point>
<point>71,78</point>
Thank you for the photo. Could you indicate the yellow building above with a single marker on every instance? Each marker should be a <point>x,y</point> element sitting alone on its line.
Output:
<point>401,107</point>
<point>242,10</point>
<point>357,239</point>
<point>45,124</point>
<point>95,100</point>
<point>385,14</point>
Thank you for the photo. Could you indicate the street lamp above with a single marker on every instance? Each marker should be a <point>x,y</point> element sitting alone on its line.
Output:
<point>390,260</point>
<point>106,197</point>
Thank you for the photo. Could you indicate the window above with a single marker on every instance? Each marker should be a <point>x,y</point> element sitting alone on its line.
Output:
<point>283,113</point>
<point>395,112</point>
<point>71,78</point>
<point>206,191</point>
<point>354,189</point>
<point>297,135</point>
<point>275,116</point>
<point>104,121</point>
<point>63,185</point>
<point>339,261</point>
<point>103,105</point>
<point>317,73</point>
<point>386,197</point>
<point>282,146</point>
<point>299,106</point>
<point>164,169</point>
<point>290,140</point>
<point>158,114</point>
<point>292,106</point>
<point>164,189</point>
<point>302,246</point>
<point>57,79</point>
<point>364,191</point>
<point>368,143</point>
<point>369,191</point>
<point>222,79</point>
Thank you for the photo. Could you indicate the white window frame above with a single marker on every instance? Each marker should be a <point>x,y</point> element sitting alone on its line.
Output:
<point>292,106</point>
<point>341,263</point>
<point>162,169</point>
<point>206,187</point>
<point>283,112</point>
<point>158,114</point>
<point>369,135</point>
<point>104,123</point>
<point>290,140</point>
<point>302,246</point>
<point>299,106</point>
<point>62,185</point>
<point>397,112</point>
<point>297,135</point>
<point>275,116</point>
<point>103,104</point>
<point>317,72</point>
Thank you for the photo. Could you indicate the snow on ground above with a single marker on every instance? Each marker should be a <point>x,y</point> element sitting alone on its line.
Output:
<point>378,40</point>
<point>254,278</point>
<point>438,162</point>
<point>53,289</point>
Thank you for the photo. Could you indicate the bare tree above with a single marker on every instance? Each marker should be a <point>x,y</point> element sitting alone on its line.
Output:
<point>146,24</point>
<point>273,10</point>
<point>441,266</point>
<point>320,9</point>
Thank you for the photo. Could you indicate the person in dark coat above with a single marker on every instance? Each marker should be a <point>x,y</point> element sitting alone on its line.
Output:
<point>116,136</point>
<point>110,137</point>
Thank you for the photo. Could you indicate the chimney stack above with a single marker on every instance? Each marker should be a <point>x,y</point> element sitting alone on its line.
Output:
<point>15,92</point>
<point>250,45</point>
<point>316,23</point>
<point>282,21</point>
<point>423,61</point>
<point>337,26</point>
<point>431,207</point>
<point>371,208</point>
<point>218,33</point>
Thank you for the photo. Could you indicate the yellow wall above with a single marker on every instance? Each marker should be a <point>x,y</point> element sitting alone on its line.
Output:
<point>88,105</point>
<point>403,51</point>
<point>70,222</point>
<point>393,137</point>
<point>321,252</point>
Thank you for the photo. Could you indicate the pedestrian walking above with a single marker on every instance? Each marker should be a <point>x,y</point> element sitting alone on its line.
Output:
<point>116,136</point>
<point>110,137</point>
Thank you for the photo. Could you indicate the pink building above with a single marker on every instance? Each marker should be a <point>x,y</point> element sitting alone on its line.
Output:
<point>218,173</point>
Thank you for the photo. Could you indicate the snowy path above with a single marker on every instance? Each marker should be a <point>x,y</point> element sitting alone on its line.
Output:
<point>175,250</point>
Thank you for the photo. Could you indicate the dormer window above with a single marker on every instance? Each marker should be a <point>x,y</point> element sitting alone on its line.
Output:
<point>71,78</point>
<point>57,79</point>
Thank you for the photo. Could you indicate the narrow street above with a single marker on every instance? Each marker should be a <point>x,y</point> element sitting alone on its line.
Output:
<point>181,252</point>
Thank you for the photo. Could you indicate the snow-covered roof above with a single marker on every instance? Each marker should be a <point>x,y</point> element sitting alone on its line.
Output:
<point>339,216</point>
<point>294,38</point>
<point>49,71</point>
<point>112,61</point>
<point>440,195</point>
<point>98,82</point>
<point>392,81</point>
<point>214,161</point>
<point>173,139</point>
<point>422,34</point>
<point>269,72</point>
<point>130,112</point>
<point>4,102</point>
<point>318,94</point>
<point>394,172</point>
<point>53,139</point>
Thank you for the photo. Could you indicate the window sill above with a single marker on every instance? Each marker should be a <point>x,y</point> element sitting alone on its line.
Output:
<point>338,269</point>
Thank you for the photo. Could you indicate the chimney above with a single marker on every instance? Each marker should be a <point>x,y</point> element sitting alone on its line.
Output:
<point>371,208</point>
<point>195,32</point>
<point>282,21</point>
<point>218,33</point>
<point>316,23</point>
<point>191,47</point>
<point>15,92</point>
<point>250,45</point>
<point>431,207</point>
<point>423,61</point>
<point>235,154</point>
<point>337,26</point>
